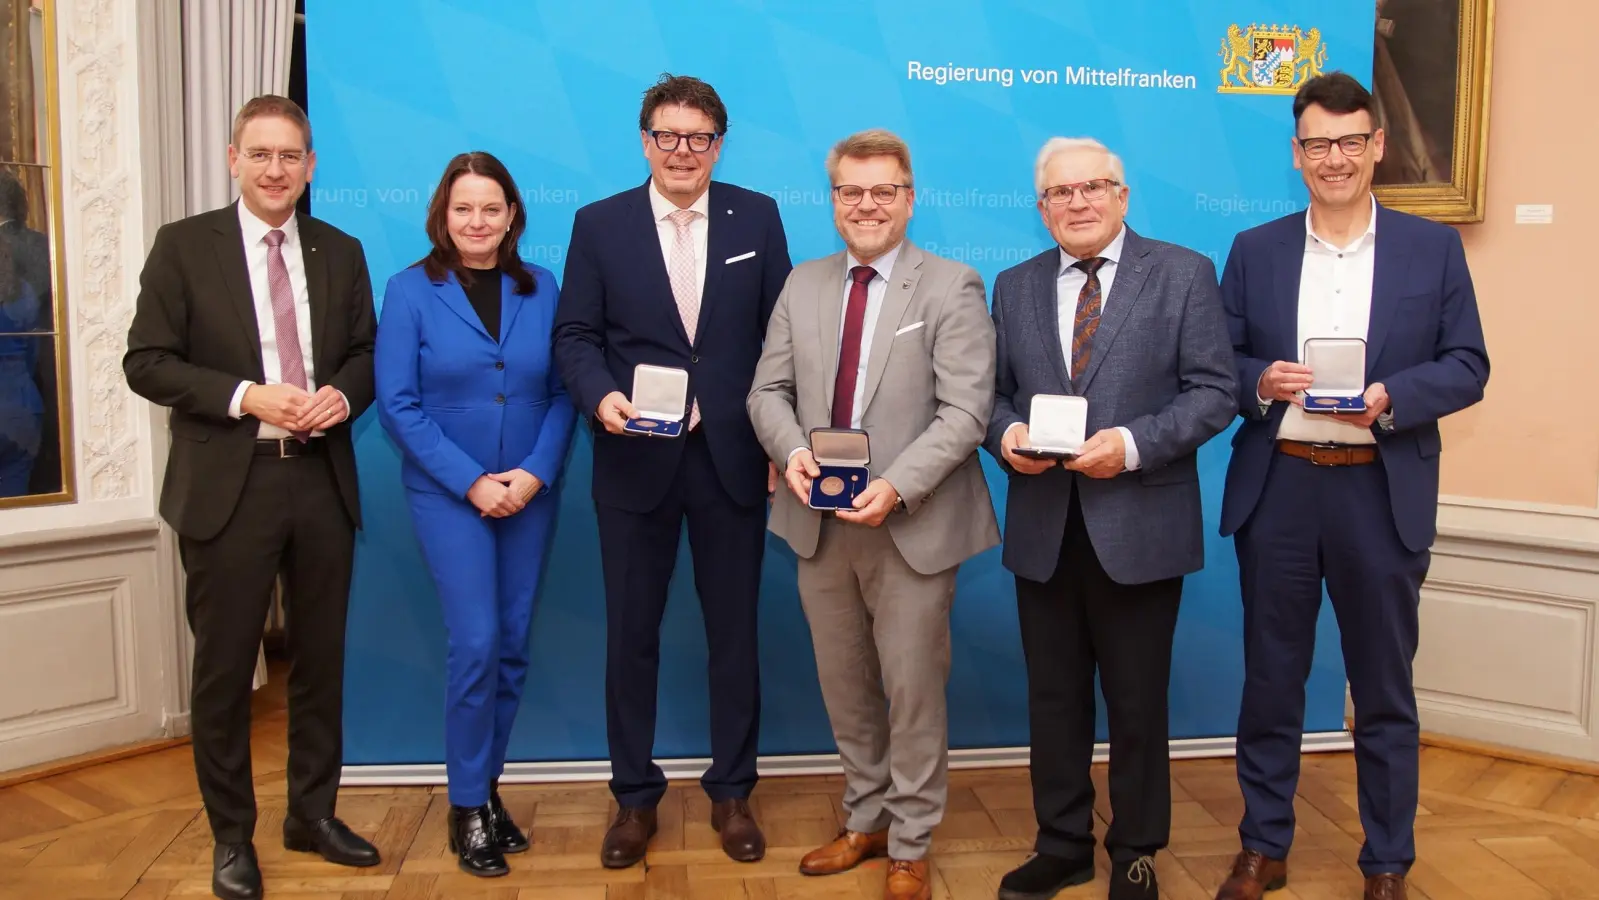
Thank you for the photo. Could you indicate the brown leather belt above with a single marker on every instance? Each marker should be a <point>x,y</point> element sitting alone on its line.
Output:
<point>1331,454</point>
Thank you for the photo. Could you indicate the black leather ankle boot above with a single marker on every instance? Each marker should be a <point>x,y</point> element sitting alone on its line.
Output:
<point>472,841</point>
<point>509,837</point>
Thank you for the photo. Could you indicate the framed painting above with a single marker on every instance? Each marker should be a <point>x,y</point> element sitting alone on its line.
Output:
<point>1430,75</point>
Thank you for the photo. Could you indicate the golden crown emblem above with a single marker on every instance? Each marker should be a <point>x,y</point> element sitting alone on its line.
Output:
<point>1270,59</point>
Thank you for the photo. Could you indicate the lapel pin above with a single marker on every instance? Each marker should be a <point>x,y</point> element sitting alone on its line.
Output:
<point>730,212</point>
<point>906,284</point>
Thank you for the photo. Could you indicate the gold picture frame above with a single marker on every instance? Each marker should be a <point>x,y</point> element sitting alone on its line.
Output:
<point>1433,105</point>
<point>57,417</point>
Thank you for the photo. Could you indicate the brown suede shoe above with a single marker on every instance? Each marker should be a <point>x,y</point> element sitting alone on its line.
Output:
<point>1386,887</point>
<point>1253,875</point>
<point>629,836</point>
<point>844,852</point>
<point>742,840</point>
<point>908,880</point>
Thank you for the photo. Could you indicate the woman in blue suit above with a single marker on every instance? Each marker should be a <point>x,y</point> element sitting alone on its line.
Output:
<point>466,390</point>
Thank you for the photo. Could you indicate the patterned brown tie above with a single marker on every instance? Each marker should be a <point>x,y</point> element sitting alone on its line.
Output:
<point>1087,321</point>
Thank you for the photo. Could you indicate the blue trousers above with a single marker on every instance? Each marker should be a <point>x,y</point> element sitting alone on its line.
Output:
<point>1333,523</point>
<point>487,571</point>
<point>14,475</point>
<point>16,460</point>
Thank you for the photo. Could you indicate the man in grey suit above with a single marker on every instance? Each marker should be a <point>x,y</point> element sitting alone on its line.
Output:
<point>1099,544</point>
<point>894,341</point>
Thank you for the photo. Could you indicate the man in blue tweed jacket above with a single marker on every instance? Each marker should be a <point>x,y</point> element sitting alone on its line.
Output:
<point>1099,544</point>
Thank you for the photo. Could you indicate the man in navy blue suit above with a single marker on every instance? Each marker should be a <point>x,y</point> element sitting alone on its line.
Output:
<point>1350,498</point>
<point>679,272</point>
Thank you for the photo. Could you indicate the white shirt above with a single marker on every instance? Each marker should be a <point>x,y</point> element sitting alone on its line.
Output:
<point>255,257</point>
<point>1334,302</point>
<point>876,290</point>
<point>1069,283</point>
<point>699,228</point>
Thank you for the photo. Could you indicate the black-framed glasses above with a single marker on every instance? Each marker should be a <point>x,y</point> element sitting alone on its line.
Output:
<point>1094,189</point>
<point>1348,145</point>
<point>699,142</point>
<point>882,194</point>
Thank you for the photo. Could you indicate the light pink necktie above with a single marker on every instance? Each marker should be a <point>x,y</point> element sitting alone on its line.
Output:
<point>682,269</point>
<point>291,362</point>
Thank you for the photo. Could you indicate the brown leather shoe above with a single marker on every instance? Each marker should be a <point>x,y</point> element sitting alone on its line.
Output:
<point>742,840</point>
<point>908,880</point>
<point>844,852</point>
<point>628,837</point>
<point>1386,887</point>
<point>1253,875</point>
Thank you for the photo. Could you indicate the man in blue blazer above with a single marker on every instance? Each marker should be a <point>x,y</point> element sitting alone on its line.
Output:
<point>680,272</point>
<point>1347,498</point>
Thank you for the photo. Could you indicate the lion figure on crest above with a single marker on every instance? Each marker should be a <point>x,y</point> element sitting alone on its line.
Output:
<point>1235,52</point>
<point>1309,55</point>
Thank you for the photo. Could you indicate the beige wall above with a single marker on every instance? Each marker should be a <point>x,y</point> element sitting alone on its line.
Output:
<point>1535,437</point>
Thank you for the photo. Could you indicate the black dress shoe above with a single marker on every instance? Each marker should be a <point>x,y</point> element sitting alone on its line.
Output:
<point>509,837</point>
<point>1043,876</point>
<point>235,874</point>
<point>1133,880</point>
<point>331,839</point>
<point>472,842</point>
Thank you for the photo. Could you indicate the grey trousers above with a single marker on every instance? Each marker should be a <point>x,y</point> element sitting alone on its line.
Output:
<point>881,634</point>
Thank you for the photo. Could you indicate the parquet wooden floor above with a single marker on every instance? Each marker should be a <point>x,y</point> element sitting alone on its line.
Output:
<point>1489,830</point>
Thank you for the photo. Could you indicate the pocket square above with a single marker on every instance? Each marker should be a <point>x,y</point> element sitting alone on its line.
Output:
<point>911,327</point>
<point>734,259</point>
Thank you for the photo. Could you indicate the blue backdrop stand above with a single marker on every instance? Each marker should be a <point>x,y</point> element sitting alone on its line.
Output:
<point>553,89</point>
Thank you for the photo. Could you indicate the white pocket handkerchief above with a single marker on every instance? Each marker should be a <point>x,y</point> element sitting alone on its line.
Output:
<point>912,327</point>
<point>734,259</point>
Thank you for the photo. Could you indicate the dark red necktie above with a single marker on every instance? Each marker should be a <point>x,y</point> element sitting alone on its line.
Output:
<point>849,347</point>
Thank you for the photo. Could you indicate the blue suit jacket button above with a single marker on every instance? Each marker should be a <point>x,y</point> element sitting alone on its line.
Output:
<point>498,364</point>
<point>499,398</point>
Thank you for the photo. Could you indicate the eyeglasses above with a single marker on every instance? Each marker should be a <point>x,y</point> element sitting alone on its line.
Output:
<point>882,194</point>
<point>1061,194</point>
<point>1349,145</point>
<point>699,142</point>
<point>289,158</point>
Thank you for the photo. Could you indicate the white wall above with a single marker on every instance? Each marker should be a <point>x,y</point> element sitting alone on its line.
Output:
<point>90,629</point>
<point>1509,625</point>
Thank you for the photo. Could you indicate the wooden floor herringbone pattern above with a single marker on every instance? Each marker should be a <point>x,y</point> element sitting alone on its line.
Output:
<point>134,830</point>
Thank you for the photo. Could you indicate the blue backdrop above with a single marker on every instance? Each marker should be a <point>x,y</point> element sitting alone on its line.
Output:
<point>553,88</point>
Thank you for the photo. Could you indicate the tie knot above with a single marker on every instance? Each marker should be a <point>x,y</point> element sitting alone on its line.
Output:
<point>1090,265</point>
<point>862,274</point>
<point>275,238</point>
<point>681,217</point>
